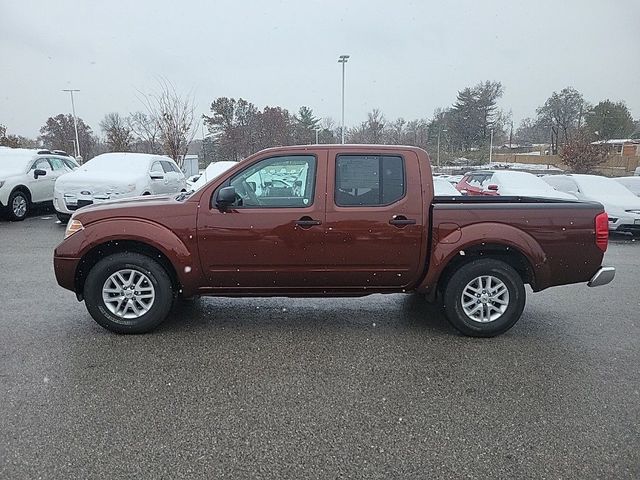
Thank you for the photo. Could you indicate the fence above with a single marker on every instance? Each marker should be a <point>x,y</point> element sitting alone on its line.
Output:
<point>613,166</point>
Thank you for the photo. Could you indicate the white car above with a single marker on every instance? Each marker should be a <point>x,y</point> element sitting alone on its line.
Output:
<point>442,187</point>
<point>512,183</point>
<point>214,170</point>
<point>112,176</point>
<point>622,206</point>
<point>27,177</point>
<point>631,183</point>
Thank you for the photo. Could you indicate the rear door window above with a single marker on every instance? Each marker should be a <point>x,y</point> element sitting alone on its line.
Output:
<point>369,180</point>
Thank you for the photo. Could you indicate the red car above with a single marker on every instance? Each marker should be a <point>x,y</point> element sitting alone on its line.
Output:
<point>477,183</point>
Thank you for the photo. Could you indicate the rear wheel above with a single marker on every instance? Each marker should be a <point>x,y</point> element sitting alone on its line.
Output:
<point>128,293</point>
<point>18,205</point>
<point>484,298</point>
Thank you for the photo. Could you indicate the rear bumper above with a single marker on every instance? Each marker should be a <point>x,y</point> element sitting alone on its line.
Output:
<point>603,276</point>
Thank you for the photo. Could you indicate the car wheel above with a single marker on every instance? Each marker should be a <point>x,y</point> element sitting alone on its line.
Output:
<point>18,205</point>
<point>128,293</point>
<point>484,298</point>
<point>63,217</point>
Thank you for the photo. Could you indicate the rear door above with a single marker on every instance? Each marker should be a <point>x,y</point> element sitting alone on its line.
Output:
<point>272,238</point>
<point>374,221</point>
<point>59,168</point>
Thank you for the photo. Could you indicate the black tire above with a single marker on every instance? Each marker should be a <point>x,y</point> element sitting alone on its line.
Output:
<point>18,215</point>
<point>453,298</point>
<point>63,217</point>
<point>158,277</point>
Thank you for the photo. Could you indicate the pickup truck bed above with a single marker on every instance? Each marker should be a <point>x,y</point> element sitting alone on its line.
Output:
<point>329,220</point>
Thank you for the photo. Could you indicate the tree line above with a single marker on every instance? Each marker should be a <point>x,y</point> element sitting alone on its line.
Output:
<point>236,127</point>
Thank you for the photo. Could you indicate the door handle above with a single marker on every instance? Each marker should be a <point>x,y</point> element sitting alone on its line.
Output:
<point>307,222</point>
<point>401,220</point>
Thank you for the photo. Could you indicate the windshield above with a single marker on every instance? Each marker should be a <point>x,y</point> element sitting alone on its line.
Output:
<point>520,183</point>
<point>111,162</point>
<point>603,188</point>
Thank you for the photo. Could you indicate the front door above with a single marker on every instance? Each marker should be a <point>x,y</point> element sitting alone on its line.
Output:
<point>41,187</point>
<point>374,224</point>
<point>159,180</point>
<point>272,237</point>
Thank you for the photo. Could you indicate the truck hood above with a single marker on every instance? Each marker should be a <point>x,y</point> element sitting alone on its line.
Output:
<point>146,206</point>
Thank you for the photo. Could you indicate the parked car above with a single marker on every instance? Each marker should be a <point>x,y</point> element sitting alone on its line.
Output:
<point>631,183</point>
<point>498,182</point>
<point>112,176</point>
<point>442,186</point>
<point>622,206</point>
<point>192,180</point>
<point>212,171</point>
<point>637,172</point>
<point>27,178</point>
<point>363,221</point>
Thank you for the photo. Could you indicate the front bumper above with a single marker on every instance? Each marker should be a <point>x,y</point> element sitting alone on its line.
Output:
<point>624,223</point>
<point>603,276</point>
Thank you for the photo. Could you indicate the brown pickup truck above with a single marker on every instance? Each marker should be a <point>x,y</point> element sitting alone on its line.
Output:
<point>329,220</point>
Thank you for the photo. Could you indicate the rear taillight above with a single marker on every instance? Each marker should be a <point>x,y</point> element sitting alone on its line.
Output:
<point>602,231</point>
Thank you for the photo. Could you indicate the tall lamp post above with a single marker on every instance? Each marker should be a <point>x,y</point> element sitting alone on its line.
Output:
<point>343,60</point>
<point>438,154</point>
<point>491,147</point>
<point>75,120</point>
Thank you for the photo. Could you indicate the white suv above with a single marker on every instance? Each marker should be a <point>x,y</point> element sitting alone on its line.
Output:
<point>27,177</point>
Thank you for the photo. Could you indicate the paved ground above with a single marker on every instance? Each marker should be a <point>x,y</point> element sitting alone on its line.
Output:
<point>379,387</point>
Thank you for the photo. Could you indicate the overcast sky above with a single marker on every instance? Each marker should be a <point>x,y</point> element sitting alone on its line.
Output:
<point>407,58</point>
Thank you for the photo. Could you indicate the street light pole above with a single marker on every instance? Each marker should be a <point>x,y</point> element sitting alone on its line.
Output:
<point>343,60</point>
<point>438,154</point>
<point>491,147</point>
<point>75,120</point>
<point>317,131</point>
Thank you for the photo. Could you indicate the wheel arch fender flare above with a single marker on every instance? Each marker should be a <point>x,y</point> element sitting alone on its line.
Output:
<point>474,238</point>
<point>129,234</point>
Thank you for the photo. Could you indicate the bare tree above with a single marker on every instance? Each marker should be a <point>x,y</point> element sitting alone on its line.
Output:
<point>147,132</point>
<point>117,131</point>
<point>581,155</point>
<point>176,119</point>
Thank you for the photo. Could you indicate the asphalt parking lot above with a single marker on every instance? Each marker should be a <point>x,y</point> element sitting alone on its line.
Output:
<point>378,387</point>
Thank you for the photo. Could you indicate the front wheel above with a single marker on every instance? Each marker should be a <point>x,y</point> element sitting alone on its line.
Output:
<point>18,205</point>
<point>128,293</point>
<point>484,298</point>
<point>63,217</point>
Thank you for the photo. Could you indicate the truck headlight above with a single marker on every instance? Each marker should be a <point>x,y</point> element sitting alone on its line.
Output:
<point>72,227</point>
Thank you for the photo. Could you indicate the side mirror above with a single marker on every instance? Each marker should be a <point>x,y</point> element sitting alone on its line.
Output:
<point>39,173</point>
<point>156,176</point>
<point>252,185</point>
<point>493,187</point>
<point>226,197</point>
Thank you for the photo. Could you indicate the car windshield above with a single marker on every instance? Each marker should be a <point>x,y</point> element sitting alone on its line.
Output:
<point>521,183</point>
<point>110,162</point>
<point>604,188</point>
